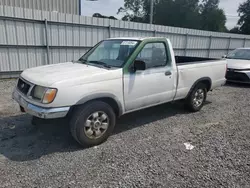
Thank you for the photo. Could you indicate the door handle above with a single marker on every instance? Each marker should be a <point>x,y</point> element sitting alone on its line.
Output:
<point>168,73</point>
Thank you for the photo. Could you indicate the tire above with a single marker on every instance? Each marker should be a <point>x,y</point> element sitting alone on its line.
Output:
<point>192,102</point>
<point>84,122</point>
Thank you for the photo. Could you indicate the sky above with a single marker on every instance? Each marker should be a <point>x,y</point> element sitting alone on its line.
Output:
<point>110,7</point>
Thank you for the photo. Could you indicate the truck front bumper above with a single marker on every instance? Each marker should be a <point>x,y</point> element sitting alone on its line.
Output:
<point>41,112</point>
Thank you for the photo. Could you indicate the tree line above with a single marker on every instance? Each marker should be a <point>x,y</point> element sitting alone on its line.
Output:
<point>193,14</point>
<point>243,26</point>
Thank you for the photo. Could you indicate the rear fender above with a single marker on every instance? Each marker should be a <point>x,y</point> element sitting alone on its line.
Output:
<point>203,79</point>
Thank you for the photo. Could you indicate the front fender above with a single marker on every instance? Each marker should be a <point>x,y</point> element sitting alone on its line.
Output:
<point>97,96</point>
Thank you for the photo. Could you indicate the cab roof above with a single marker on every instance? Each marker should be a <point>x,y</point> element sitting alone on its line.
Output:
<point>135,38</point>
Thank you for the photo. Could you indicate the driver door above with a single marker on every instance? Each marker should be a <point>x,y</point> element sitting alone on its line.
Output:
<point>154,85</point>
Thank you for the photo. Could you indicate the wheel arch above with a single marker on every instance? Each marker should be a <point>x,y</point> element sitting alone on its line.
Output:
<point>108,98</point>
<point>205,80</point>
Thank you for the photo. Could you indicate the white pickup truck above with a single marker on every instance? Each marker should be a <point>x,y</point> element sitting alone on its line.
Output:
<point>115,77</point>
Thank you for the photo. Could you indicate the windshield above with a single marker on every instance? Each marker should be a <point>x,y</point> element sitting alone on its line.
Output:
<point>110,53</point>
<point>240,54</point>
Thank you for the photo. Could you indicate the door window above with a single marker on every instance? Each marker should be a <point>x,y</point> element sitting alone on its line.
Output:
<point>154,55</point>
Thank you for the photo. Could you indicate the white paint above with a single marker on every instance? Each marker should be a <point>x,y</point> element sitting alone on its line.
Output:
<point>190,73</point>
<point>75,81</point>
<point>143,89</point>
<point>51,74</point>
<point>130,38</point>
<point>149,87</point>
<point>188,146</point>
<point>238,64</point>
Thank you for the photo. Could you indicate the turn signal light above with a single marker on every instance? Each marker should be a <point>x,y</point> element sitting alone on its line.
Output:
<point>49,96</point>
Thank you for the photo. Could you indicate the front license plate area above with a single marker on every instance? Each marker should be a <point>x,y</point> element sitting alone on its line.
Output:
<point>23,103</point>
<point>20,100</point>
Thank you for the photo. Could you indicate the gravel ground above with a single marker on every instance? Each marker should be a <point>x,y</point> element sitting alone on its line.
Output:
<point>146,150</point>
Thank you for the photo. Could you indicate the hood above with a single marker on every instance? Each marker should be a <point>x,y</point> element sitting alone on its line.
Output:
<point>64,72</point>
<point>238,64</point>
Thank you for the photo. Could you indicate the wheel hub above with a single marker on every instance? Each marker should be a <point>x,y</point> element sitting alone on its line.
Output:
<point>96,125</point>
<point>198,97</point>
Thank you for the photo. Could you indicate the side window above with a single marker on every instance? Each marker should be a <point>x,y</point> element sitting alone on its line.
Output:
<point>154,55</point>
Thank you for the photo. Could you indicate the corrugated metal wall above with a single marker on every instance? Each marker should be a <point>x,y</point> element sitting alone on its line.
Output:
<point>63,6</point>
<point>27,40</point>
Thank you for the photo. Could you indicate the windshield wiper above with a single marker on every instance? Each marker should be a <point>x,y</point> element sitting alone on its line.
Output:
<point>94,63</point>
<point>100,63</point>
<point>82,60</point>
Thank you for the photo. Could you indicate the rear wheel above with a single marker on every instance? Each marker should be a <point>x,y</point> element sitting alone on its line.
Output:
<point>197,97</point>
<point>92,123</point>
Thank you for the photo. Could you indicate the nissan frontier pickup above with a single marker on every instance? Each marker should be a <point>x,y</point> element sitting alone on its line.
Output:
<point>115,77</point>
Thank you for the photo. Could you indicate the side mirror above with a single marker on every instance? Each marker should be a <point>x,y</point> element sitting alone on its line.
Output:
<point>224,56</point>
<point>139,65</point>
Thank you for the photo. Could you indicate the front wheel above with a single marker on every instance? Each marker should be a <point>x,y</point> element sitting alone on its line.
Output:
<point>197,97</point>
<point>92,123</point>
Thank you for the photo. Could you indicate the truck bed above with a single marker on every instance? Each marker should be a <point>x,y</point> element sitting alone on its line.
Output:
<point>184,60</point>
<point>191,69</point>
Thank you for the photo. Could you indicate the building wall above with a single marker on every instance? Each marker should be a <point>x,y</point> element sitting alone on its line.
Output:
<point>63,6</point>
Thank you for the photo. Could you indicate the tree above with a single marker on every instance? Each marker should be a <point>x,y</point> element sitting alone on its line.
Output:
<point>212,17</point>
<point>235,30</point>
<point>244,13</point>
<point>134,10</point>
<point>179,13</point>
<point>98,15</point>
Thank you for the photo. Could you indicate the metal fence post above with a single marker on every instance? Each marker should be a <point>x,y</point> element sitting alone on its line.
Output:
<point>186,45</point>
<point>47,41</point>
<point>210,46</point>
<point>244,43</point>
<point>151,11</point>
<point>154,33</point>
<point>229,44</point>
<point>110,31</point>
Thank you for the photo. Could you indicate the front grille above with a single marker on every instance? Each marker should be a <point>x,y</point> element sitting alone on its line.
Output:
<point>23,86</point>
<point>237,76</point>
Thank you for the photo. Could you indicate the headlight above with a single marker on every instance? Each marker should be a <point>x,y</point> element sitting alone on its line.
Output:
<point>45,95</point>
<point>38,92</point>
